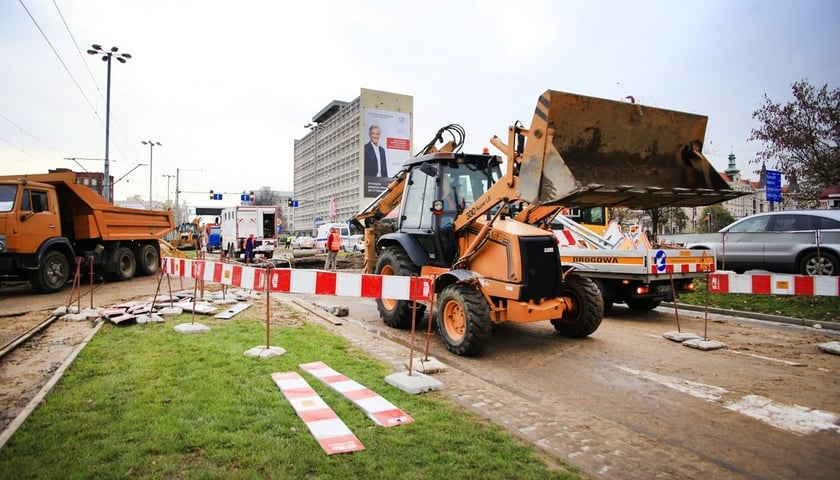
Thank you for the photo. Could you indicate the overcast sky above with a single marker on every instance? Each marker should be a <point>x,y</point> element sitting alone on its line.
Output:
<point>227,87</point>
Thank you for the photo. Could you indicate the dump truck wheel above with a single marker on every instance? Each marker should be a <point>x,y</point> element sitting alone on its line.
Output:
<point>642,304</point>
<point>463,319</point>
<point>587,308</point>
<point>397,313</point>
<point>148,259</point>
<point>53,273</point>
<point>126,265</point>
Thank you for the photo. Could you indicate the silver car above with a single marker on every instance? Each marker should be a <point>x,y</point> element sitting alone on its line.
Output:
<point>806,242</point>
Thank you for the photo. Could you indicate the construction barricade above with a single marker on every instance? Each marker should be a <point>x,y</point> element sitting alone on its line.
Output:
<point>774,284</point>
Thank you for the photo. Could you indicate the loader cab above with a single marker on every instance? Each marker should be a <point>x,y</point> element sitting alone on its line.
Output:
<point>456,180</point>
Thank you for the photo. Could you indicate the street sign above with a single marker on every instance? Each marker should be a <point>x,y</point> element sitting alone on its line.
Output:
<point>774,186</point>
<point>217,196</point>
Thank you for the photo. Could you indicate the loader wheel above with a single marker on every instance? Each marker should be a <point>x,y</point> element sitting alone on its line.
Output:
<point>53,273</point>
<point>463,319</point>
<point>126,265</point>
<point>587,308</point>
<point>642,304</point>
<point>148,259</point>
<point>397,313</point>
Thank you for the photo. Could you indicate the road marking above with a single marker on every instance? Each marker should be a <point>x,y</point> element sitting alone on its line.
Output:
<point>786,362</point>
<point>793,418</point>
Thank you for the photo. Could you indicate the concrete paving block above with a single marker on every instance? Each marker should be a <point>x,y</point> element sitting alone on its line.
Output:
<point>701,344</point>
<point>680,336</point>
<point>414,383</point>
<point>171,311</point>
<point>191,328</point>
<point>830,347</point>
<point>152,318</point>
<point>428,366</point>
<point>74,317</point>
<point>265,352</point>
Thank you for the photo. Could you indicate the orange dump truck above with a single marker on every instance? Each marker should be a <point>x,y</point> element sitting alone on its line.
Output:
<point>48,220</point>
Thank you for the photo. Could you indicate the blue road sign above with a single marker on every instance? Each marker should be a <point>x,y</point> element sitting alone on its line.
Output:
<point>774,186</point>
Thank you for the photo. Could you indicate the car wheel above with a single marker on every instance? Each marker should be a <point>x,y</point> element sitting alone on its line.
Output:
<point>823,264</point>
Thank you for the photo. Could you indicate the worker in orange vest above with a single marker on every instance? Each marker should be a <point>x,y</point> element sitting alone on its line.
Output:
<point>332,247</point>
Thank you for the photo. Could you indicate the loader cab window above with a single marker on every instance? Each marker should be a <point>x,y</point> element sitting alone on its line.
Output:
<point>7,197</point>
<point>419,194</point>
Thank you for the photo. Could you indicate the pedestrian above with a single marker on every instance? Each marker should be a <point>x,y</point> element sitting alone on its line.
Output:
<point>332,246</point>
<point>288,242</point>
<point>249,249</point>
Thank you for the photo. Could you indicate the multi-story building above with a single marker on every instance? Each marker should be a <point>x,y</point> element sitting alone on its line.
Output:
<point>331,183</point>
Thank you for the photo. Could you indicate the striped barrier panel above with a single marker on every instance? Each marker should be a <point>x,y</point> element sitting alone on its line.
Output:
<point>329,431</point>
<point>287,280</point>
<point>774,284</point>
<point>377,408</point>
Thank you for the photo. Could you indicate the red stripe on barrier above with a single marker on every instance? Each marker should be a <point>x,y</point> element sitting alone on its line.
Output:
<point>325,283</point>
<point>803,285</point>
<point>761,284</point>
<point>371,286</point>
<point>236,281</point>
<point>719,283</point>
<point>281,280</point>
<point>217,272</point>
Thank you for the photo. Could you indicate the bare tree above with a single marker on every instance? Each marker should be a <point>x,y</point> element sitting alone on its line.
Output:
<point>802,138</point>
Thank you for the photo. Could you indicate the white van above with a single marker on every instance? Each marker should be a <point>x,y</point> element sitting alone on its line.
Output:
<point>324,231</point>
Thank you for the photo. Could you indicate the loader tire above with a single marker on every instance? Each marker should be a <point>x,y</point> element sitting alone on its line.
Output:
<point>463,319</point>
<point>642,304</point>
<point>125,266</point>
<point>397,313</point>
<point>587,308</point>
<point>52,274</point>
<point>148,259</point>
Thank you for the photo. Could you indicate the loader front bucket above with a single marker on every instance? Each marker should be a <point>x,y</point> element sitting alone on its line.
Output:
<point>585,151</point>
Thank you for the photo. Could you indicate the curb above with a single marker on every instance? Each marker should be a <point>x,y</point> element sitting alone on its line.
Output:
<point>826,325</point>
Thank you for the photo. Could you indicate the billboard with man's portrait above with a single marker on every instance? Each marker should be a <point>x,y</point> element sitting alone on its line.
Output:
<point>387,146</point>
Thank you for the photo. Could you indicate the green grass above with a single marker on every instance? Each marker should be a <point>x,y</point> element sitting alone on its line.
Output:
<point>143,401</point>
<point>819,308</point>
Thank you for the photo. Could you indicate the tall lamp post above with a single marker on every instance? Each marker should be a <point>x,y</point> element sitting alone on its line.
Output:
<point>151,145</point>
<point>167,187</point>
<point>106,57</point>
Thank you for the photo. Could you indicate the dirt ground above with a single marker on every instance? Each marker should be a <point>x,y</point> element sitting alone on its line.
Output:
<point>622,403</point>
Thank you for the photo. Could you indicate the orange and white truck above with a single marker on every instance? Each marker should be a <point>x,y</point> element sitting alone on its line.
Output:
<point>48,220</point>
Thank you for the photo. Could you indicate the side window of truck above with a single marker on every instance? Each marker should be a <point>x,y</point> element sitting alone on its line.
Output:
<point>34,201</point>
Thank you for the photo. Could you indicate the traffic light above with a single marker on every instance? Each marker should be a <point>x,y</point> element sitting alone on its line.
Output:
<point>289,202</point>
<point>252,196</point>
<point>211,194</point>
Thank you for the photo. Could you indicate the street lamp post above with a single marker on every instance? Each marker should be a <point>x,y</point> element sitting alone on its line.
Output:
<point>167,188</point>
<point>151,145</point>
<point>106,57</point>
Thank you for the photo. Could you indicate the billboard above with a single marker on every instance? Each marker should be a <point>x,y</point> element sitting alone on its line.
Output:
<point>387,137</point>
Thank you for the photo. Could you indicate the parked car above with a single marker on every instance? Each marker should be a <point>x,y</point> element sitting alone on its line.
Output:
<point>805,242</point>
<point>303,242</point>
<point>357,243</point>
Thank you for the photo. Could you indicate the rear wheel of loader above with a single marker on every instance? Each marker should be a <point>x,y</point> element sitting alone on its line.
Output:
<point>397,313</point>
<point>148,259</point>
<point>53,273</point>
<point>463,319</point>
<point>126,265</point>
<point>642,304</point>
<point>587,308</point>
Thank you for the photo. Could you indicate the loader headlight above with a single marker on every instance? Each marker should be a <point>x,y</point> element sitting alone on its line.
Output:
<point>437,207</point>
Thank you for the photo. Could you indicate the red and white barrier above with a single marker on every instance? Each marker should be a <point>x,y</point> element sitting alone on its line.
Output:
<point>329,431</point>
<point>774,284</point>
<point>287,280</point>
<point>376,407</point>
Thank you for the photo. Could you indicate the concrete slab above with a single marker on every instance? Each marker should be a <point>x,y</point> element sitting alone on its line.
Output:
<point>701,344</point>
<point>428,365</point>
<point>414,383</point>
<point>681,336</point>
<point>192,328</point>
<point>265,352</point>
<point>830,347</point>
<point>229,312</point>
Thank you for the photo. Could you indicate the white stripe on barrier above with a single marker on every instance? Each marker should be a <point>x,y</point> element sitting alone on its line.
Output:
<point>325,426</point>
<point>377,408</point>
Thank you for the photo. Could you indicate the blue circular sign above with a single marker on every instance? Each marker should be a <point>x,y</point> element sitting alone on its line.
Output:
<point>659,260</point>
